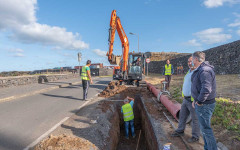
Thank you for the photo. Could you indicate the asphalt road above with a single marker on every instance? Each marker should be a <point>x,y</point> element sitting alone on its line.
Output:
<point>26,119</point>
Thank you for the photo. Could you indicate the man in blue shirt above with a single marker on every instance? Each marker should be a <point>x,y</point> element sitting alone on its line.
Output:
<point>187,108</point>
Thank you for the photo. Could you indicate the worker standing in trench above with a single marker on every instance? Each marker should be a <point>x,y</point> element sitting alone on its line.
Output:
<point>187,108</point>
<point>128,116</point>
<point>86,77</point>
<point>168,71</point>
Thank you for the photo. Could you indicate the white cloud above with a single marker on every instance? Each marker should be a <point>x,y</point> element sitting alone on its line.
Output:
<point>217,3</point>
<point>212,36</point>
<point>193,42</point>
<point>62,61</point>
<point>19,17</point>
<point>238,32</point>
<point>16,50</point>
<point>236,21</point>
<point>100,52</point>
<point>235,24</point>
<point>18,55</point>
<point>70,56</point>
<point>49,63</point>
<point>236,14</point>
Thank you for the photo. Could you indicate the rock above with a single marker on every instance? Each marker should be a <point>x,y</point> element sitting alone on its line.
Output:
<point>221,146</point>
<point>93,121</point>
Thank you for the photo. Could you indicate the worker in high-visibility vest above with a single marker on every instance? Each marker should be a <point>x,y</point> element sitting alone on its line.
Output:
<point>187,109</point>
<point>86,79</point>
<point>168,71</point>
<point>128,116</point>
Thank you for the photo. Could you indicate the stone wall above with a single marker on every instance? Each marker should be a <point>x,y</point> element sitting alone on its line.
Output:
<point>24,80</point>
<point>224,58</point>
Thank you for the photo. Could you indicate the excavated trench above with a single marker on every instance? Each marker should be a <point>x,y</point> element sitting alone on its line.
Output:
<point>139,140</point>
<point>144,141</point>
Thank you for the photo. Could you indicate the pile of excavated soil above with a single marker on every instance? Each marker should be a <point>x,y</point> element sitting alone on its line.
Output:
<point>64,142</point>
<point>112,89</point>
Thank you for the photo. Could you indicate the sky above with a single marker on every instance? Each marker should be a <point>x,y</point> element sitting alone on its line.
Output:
<point>43,34</point>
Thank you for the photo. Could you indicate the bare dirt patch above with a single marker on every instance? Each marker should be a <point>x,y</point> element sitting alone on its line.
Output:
<point>64,142</point>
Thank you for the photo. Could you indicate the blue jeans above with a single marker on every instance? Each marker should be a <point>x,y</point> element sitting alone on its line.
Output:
<point>204,114</point>
<point>131,122</point>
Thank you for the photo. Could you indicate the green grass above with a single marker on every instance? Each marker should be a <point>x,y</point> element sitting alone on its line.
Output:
<point>227,114</point>
<point>176,93</point>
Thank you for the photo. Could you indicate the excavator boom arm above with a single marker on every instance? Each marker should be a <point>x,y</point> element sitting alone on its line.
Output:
<point>112,30</point>
<point>115,24</point>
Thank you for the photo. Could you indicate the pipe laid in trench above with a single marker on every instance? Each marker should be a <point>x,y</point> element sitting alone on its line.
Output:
<point>173,108</point>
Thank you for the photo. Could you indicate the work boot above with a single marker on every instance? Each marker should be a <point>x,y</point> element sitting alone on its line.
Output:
<point>192,140</point>
<point>176,134</point>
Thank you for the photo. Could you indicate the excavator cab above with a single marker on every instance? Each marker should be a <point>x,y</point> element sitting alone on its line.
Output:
<point>135,67</point>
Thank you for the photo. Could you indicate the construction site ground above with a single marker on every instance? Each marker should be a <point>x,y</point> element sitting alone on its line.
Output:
<point>228,88</point>
<point>99,125</point>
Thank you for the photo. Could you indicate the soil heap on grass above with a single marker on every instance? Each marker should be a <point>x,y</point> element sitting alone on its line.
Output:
<point>64,142</point>
<point>112,89</point>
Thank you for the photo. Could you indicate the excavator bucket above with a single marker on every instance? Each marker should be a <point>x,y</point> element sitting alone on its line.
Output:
<point>115,60</point>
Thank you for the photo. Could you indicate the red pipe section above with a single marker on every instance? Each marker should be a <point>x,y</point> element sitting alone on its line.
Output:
<point>172,107</point>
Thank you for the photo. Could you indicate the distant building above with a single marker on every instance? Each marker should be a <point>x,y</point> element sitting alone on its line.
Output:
<point>67,68</point>
<point>97,65</point>
<point>109,67</point>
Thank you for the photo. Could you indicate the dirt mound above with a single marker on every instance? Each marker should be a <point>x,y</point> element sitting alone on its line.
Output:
<point>112,89</point>
<point>64,142</point>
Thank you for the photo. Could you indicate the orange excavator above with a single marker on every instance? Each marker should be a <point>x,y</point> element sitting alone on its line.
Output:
<point>130,65</point>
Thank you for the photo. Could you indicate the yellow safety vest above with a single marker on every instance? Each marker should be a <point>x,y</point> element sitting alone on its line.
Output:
<point>127,112</point>
<point>168,69</point>
<point>192,99</point>
<point>84,75</point>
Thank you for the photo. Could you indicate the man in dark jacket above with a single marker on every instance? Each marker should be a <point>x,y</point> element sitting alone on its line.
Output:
<point>203,91</point>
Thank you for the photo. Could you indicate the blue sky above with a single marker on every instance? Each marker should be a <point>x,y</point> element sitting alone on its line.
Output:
<point>46,34</point>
